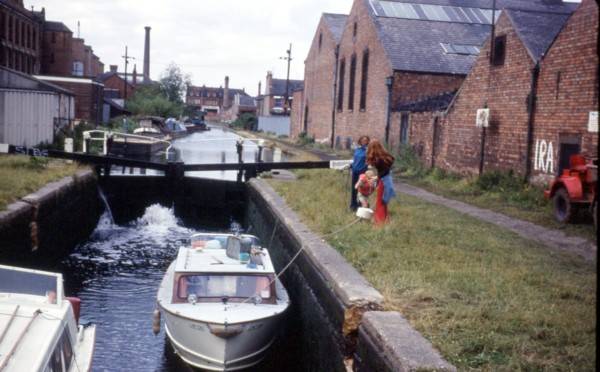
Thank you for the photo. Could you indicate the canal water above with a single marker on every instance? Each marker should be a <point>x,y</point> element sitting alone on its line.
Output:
<point>116,273</point>
<point>210,147</point>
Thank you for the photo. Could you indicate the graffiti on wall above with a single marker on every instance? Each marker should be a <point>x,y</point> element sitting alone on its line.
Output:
<point>544,156</point>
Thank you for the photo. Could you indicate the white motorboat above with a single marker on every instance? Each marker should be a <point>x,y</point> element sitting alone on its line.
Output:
<point>39,328</point>
<point>221,302</point>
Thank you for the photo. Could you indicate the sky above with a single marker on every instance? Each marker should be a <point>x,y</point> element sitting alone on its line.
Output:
<point>208,39</point>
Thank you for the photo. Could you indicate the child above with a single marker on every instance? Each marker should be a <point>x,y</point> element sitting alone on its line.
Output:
<point>365,187</point>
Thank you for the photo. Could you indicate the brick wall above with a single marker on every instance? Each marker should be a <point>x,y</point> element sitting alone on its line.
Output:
<point>297,114</point>
<point>371,121</point>
<point>116,82</point>
<point>318,85</point>
<point>504,89</point>
<point>568,90</point>
<point>57,53</point>
<point>410,87</point>
<point>19,39</point>
<point>88,99</point>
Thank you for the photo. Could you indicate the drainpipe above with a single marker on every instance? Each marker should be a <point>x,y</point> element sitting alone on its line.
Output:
<point>389,82</point>
<point>482,148</point>
<point>531,100</point>
<point>335,77</point>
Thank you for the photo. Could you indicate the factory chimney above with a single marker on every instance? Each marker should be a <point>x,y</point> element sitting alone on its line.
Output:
<point>226,100</point>
<point>147,56</point>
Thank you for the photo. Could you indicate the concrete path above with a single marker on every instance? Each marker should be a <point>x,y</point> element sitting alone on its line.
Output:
<point>551,238</point>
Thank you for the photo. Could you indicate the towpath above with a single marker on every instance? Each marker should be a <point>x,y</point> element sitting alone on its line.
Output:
<point>551,238</point>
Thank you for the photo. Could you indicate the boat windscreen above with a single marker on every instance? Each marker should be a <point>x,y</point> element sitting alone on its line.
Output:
<point>25,282</point>
<point>219,286</point>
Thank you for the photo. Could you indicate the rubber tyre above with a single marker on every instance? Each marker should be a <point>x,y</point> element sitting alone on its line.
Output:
<point>563,208</point>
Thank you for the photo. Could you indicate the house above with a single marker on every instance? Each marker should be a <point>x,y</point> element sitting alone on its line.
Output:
<point>393,53</point>
<point>241,104</point>
<point>37,109</point>
<point>313,112</point>
<point>115,81</point>
<point>272,102</point>
<point>20,30</point>
<point>538,78</point>
<point>213,101</point>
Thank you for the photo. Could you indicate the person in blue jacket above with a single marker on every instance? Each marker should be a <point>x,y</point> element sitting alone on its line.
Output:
<point>359,166</point>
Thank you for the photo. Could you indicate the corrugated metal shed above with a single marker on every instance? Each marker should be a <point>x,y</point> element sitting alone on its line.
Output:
<point>27,117</point>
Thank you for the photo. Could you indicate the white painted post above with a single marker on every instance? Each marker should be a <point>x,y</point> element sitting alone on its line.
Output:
<point>69,147</point>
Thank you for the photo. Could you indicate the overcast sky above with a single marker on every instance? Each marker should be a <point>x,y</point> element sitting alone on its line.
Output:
<point>207,38</point>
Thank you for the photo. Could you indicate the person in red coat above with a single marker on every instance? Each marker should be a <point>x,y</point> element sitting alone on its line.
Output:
<point>380,159</point>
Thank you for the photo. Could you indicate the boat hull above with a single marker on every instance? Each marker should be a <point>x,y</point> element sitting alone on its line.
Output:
<point>238,346</point>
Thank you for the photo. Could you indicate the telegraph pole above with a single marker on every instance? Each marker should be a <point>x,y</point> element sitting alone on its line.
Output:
<point>287,79</point>
<point>126,58</point>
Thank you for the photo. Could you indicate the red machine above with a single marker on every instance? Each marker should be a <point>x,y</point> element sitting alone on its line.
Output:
<point>575,189</point>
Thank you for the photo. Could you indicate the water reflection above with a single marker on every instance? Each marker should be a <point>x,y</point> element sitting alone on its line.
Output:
<point>214,146</point>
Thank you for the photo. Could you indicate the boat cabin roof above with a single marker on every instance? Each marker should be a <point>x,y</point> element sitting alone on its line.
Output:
<point>208,260</point>
<point>33,314</point>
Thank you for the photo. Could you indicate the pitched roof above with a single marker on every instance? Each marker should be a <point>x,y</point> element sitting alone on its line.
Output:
<point>413,40</point>
<point>415,45</point>
<point>12,79</point>
<point>537,30</point>
<point>433,103</point>
<point>204,90</point>
<point>557,6</point>
<point>278,86</point>
<point>335,23</point>
<point>247,101</point>
<point>56,26</point>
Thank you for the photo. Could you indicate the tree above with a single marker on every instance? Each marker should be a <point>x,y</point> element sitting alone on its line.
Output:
<point>174,83</point>
<point>152,101</point>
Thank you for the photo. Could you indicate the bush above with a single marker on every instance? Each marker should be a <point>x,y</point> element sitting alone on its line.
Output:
<point>408,163</point>
<point>246,121</point>
<point>304,139</point>
<point>151,101</point>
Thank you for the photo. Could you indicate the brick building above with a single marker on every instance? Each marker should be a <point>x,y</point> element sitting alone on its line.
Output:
<point>540,86</point>
<point>115,81</point>
<point>64,55</point>
<point>19,37</point>
<point>272,102</point>
<point>312,113</point>
<point>211,100</point>
<point>397,53</point>
<point>89,96</point>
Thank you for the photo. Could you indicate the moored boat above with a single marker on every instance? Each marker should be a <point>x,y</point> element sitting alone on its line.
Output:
<point>39,328</point>
<point>222,302</point>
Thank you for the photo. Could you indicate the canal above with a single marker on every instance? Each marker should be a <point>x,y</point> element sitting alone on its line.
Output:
<point>117,271</point>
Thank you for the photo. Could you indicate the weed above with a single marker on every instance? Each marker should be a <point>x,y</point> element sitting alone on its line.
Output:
<point>486,298</point>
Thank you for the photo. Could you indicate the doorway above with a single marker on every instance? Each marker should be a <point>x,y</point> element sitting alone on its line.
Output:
<point>570,144</point>
<point>404,128</point>
<point>305,125</point>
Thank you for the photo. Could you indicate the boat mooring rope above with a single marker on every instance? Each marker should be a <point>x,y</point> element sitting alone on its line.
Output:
<point>278,275</point>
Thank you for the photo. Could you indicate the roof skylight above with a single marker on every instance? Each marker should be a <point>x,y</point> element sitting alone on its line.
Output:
<point>430,12</point>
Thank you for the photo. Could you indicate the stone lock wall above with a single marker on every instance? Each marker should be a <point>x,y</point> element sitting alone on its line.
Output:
<point>335,322</point>
<point>53,220</point>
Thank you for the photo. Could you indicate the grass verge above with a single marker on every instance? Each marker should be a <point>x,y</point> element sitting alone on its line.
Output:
<point>21,175</point>
<point>501,192</point>
<point>486,298</point>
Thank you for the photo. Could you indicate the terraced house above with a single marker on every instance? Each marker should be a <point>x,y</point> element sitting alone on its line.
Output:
<point>394,54</point>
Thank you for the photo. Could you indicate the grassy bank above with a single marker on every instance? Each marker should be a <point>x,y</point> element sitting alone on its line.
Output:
<point>500,192</point>
<point>21,175</point>
<point>486,298</point>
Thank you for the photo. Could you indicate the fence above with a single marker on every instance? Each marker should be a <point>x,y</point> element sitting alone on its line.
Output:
<point>280,125</point>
